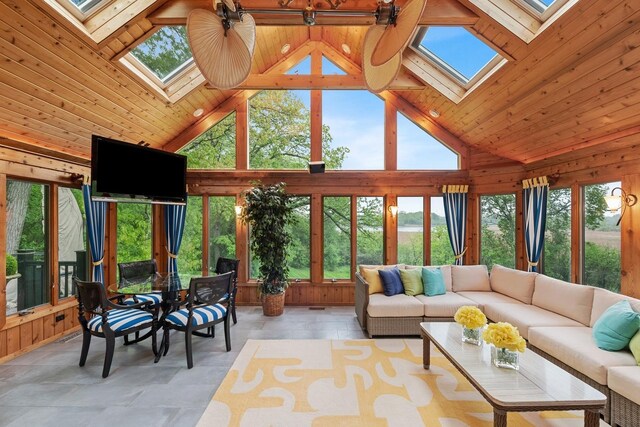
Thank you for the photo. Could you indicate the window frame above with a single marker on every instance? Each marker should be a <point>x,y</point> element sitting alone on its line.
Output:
<point>533,8</point>
<point>84,13</point>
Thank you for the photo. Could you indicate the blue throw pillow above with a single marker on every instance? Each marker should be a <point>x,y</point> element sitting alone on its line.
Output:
<point>433,281</point>
<point>391,282</point>
<point>615,328</point>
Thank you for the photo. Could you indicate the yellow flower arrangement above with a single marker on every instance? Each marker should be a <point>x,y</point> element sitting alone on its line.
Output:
<point>470,317</point>
<point>504,335</point>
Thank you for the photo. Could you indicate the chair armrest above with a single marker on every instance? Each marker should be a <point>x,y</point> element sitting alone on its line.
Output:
<point>361,300</point>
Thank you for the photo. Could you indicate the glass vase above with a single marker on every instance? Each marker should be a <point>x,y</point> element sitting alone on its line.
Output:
<point>504,358</point>
<point>472,335</point>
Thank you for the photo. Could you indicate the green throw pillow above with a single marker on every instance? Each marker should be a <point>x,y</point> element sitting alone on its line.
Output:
<point>634,346</point>
<point>412,281</point>
<point>615,328</point>
<point>433,281</point>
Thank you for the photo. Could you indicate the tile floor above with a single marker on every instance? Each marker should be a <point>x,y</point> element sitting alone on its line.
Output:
<point>46,387</point>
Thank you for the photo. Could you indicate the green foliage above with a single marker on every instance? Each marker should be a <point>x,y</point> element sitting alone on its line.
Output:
<point>165,51</point>
<point>11,265</point>
<point>267,211</point>
<point>441,253</point>
<point>134,232</point>
<point>190,255</point>
<point>601,266</point>
<point>299,251</point>
<point>337,237</point>
<point>215,148</point>
<point>35,227</point>
<point>222,228</point>
<point>498,246</point>
<point>410,218</point>
<point>410,251</point>
<point>370,238</point>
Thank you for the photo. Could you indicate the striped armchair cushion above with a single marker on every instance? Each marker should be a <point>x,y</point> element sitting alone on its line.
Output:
<point>201,315</point>
<point>120,320</point>
<point>153,298</point>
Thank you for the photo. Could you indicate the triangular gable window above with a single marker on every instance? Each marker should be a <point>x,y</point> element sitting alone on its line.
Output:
<point>418,150</point>
<point>302,68</point>
<point>329,68</point>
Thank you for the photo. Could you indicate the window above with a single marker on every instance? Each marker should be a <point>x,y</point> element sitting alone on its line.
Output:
<point>419,150</point>
<point>73,257</point>
<point>299,250</point>
<point>556,261</point>
<point>190,255</point>
<point>457,52</point>
<point>498,230</point>
<point>134,232</point>
<point>352,140</point>
<point>303,67</point>
<point>601,250</point>
<point>441,252</point>
<point>164,55</point>
<point>541,9</point>
<point>27,244</point>
<point>370,240</point>
<point>215,148</point>
<point>328,68</point>
<point>81,9</point>
<point>410,230</point>
<point>279,130</point>
<point>222,229</point>
<point>337,238</point>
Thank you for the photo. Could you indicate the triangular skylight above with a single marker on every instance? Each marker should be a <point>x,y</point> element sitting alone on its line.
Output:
<point>302,68</point>
<point>458,52</point>
<point>328,67</point>
<point>166,53</point>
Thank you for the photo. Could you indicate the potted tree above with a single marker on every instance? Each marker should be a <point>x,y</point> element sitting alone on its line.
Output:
<point>267,211</point>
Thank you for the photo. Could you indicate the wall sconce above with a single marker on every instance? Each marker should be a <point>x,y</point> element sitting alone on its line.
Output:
<point>393,210</point>
<point>238,210</point>
<point>620,201</point>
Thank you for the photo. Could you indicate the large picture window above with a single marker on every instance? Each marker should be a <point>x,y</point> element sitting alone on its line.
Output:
<point>222,229</point>
<point>73,257</point>
<point>441,252</point>
<point>134,232</point>
<point>556,261</point>
<point>370,238</point>
<point>601,237</point>
<point>299,250</point>
<point>337,238</point>
<point>190,256</point>
<point>410,230</point>
<point>215,148</point>
<point>27,232</point>
<point>498,230</point>
<point>418,150</point>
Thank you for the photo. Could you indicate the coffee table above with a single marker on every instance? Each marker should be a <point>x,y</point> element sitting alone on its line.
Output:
<point>538,385</point>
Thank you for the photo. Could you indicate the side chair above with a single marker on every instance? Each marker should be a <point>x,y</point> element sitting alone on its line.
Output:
<point>100,317</point>
<point>207,304</point>
<point>225,265</point>
<point>130,272</point>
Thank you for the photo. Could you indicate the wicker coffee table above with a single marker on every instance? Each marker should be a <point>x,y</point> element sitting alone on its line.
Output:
<point>538,385</point>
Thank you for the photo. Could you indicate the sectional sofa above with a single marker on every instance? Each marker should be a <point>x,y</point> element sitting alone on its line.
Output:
<point>555,317</point>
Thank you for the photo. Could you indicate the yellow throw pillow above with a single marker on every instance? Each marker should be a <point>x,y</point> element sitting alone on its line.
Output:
<point>372,277</point>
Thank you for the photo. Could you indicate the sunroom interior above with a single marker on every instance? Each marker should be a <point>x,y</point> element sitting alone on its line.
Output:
<point>491,96</point>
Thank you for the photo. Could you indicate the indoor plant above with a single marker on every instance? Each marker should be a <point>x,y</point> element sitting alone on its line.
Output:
<point>507,342</point>
<point>472,320</point>
<point>267,211</point>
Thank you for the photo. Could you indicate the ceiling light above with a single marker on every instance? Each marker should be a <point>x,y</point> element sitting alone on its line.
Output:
<point>434,113</point>
<point>346,49</point>
<point>198,112</point>
<point>285,48</point>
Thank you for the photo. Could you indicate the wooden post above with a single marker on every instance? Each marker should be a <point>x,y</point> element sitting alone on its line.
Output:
<point>390,136</point>
<point>354,236</point>
<point>316,109</point>
<point>111,244</point>
<point>521,253</point>
<point>53,243</point>
<point>390,230</point>
<point>3,252</point>
<point>158,239</point>
<point>426,229</point>
<point>242,136</point>
<point>205,235</point>
<point>576,233</point>
<point>242,245</point>
<point>630,240</point>
<point>317,244</point>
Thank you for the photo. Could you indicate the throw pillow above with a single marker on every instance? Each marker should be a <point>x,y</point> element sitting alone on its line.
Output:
<point>615,328</point>
<point>433,281</point>
<point>411,281</point>
<point>371,276</point>
<point>634,346</point>
<point>391,282</point>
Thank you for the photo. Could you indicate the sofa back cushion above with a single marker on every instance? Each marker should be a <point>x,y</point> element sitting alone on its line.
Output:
<point>603,299</point>
<point>568,299</point>
<point>470,278</point>
<point>516,284</point>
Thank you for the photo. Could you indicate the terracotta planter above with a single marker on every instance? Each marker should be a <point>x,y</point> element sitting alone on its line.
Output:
<point>273,305</point>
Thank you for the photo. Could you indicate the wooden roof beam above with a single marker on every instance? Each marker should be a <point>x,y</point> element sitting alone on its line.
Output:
<point>326,82</point>
<point>437,12</point>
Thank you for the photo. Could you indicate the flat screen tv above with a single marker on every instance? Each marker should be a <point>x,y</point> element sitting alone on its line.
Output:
<point>126,172</point>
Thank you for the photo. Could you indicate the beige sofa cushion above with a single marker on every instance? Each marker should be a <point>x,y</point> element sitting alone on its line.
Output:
<point>525,316</point>
<point>575,347</point>
<point>625,380</point>
<point>446,273</point>
<point>484,298</point>
<point>400,305</point>
<point>603,299</point>
<point>444,305</point>
<point>470,278</point>
<point>568,299</point>
<point>516,284</point>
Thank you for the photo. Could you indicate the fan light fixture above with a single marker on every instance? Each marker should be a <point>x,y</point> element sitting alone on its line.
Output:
<point>620,201</point>
<point>346,49</point>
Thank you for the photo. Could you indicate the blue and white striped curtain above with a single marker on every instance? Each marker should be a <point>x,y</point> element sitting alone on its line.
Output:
<point>174,218</point>
<point>96,213</point>
<point>535,192</point>
<point>455,212</point>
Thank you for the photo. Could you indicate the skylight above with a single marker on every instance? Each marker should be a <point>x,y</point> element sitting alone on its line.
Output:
<point>540,5</point>
<point>81,9</point>
<point>166,53</point>
<point>85,5</point>
<point>456,51</point>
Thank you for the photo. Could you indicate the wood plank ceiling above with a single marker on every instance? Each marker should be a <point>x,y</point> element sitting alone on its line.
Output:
<point>574,86</point>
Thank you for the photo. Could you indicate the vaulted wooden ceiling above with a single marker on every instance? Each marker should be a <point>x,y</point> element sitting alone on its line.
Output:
<point>568,87</point>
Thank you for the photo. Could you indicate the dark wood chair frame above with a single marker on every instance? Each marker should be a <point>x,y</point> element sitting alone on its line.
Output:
<point>203,291</point>
<point>93,300</point>
<point>225,265</point>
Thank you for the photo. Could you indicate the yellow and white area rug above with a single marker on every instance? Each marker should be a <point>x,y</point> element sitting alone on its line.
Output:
<point>353,383</point>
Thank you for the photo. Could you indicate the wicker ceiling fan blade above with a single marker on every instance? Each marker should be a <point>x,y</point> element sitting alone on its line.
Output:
<point>224,60</point>
<point>396,37</point>
<point>378,78</point>
<point>246,29</point>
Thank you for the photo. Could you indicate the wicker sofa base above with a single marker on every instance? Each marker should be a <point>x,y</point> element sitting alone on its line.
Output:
<point>624,412</point>
<point>382,326</point>
<point>606,412</point>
